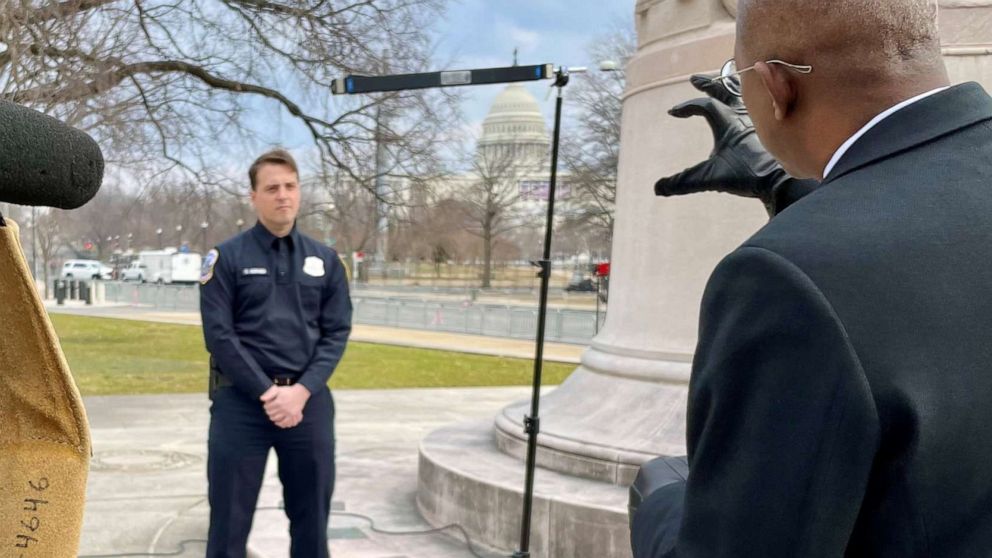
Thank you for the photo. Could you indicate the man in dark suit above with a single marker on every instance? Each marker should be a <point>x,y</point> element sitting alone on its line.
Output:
<point>839,403</point>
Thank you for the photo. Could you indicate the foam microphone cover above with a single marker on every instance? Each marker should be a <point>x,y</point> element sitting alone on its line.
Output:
<point>46,162</point>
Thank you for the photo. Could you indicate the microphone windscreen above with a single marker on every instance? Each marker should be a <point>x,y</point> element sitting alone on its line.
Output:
<point>46,162</point>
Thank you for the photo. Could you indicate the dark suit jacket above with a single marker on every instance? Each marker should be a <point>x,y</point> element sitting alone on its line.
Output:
<point>841,396</point>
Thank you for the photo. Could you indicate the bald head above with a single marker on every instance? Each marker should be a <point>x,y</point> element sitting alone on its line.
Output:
<point>867,56</point>
<point>844,38</point>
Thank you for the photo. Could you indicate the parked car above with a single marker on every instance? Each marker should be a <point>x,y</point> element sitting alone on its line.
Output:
<point>85,269</point>
<point>137,271</point>
<point>582,286</point>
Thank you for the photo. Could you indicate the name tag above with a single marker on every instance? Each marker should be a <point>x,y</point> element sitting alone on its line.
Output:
<point>254,271</point>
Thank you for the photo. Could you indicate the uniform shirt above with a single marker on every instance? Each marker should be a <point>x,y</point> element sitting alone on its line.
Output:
<point>274,307</point>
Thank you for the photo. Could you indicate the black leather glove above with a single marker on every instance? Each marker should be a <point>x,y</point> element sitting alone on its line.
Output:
<point>739,164</point>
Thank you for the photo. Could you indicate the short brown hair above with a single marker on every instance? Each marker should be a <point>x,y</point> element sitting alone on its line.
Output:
<point>277,156</point>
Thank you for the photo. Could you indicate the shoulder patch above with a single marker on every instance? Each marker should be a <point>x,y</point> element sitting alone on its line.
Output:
<point>209,261</point>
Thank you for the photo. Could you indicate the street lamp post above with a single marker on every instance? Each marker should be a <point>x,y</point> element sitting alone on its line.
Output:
<point>203,237</point>
<point>158,231</point>
<point>240,223</point>
<point>179,236</point>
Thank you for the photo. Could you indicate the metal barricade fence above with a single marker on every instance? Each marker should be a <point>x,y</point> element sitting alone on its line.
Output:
<point>566,325</point>
<point>520,322</point>
<point>185,298</point>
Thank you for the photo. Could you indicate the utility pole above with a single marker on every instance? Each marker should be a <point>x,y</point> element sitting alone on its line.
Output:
<point>381,187</point>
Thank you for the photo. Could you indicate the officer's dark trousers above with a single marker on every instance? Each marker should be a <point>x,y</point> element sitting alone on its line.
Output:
<point>240,438</point>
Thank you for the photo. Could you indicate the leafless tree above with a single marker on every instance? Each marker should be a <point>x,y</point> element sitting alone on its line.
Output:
<point>98,222</point>
<point>436,233</point>
<point>591,149</point>
<point>491,199</point>
<point>346,209</point>
<point>48,229</point>
<point>192,82</point>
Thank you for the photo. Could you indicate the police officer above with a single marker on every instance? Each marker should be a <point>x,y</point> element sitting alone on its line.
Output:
<point>276,318</point>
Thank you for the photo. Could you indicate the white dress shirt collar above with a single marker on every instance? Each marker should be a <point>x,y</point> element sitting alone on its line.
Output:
<point>871,124</point>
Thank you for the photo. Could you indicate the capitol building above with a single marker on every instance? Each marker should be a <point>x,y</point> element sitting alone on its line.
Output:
<point>515,128</point>
<point>506,175</point>
<point>512,156</point>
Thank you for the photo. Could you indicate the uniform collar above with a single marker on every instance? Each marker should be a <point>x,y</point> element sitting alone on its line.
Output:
<point>267,239</point>
<point>923,121</point>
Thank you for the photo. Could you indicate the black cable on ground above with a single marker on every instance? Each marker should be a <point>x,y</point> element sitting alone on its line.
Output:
<point>376,529</point>
<point>371,522</point>
<point>182,549</point>
<point>372,525</point>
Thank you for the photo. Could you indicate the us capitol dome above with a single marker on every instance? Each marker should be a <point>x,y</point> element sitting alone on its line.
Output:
<point>515,127</point>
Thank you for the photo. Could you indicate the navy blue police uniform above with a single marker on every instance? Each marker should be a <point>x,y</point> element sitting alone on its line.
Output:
<point>276,311</point>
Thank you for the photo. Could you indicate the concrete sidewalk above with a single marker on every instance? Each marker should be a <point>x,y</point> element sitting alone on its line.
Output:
<point>147,487</point>
<point>425,339</point>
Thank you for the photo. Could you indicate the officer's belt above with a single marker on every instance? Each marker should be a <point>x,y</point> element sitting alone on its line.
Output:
<point>219,380</point>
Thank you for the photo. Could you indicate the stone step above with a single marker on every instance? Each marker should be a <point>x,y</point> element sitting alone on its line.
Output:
<point>465,479</point>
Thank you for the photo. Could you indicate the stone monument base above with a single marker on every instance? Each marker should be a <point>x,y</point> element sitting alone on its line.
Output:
<point>609,416</point>
<point>464,478</point>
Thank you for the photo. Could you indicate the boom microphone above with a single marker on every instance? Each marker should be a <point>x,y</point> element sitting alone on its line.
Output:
<point>46,162</point>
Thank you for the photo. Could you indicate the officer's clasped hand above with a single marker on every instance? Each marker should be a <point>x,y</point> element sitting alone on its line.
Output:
<point>738,164</point>
<point>284,404</point>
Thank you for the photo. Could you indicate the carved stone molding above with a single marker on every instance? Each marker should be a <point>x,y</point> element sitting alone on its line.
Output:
<point>645,5</point>
<point>731,6</point>
<point>965,3</point>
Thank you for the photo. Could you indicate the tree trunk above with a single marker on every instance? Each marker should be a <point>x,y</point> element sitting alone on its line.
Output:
<point>487,257</point>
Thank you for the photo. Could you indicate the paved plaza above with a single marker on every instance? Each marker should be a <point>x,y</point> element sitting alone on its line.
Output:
<point>147,487</point>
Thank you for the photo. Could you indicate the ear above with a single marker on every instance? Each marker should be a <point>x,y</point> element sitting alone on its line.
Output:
<point>778,81</point>
<point>252,193</point>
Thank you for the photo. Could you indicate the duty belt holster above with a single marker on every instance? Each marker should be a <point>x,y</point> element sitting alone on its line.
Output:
<point>217,379</point>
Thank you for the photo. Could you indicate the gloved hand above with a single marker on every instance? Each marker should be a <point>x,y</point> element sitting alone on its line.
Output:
<point>44,436</point>
<point>738,164</point>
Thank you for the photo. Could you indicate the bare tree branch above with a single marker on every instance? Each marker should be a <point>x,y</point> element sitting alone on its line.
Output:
<point>55,10</point>
<point>158,82</point>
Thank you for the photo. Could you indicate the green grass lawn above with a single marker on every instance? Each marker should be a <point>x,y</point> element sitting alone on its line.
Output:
<point>112,356</point>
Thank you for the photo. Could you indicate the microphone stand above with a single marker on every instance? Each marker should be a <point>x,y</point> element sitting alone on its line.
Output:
<point>532,422</point>
<point>354,84</point>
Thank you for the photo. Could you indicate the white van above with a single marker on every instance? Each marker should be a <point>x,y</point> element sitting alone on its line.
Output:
<point>165,266</point>
<point>85,270</point>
